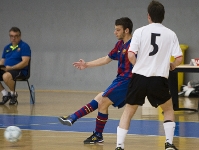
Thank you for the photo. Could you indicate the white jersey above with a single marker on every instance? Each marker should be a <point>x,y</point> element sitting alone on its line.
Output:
<point>154,45</point>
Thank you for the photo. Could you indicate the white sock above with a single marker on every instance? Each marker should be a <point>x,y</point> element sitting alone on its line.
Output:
<point>121,135</point>
<point>169,128</point>
<point>4,92</point>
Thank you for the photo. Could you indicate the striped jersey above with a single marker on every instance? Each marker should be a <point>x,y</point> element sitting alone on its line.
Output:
<point>120,53</point>
<point>154,45</point>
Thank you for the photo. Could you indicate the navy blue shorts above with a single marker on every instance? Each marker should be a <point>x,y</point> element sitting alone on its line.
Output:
<point>117,91</point>
<point>14,73</point>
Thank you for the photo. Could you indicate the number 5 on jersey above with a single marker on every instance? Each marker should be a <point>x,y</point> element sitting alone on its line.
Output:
<point>155,46</point>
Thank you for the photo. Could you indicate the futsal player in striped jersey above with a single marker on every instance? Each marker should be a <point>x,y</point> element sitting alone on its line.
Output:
<point>116,92</point>
<point>154,44</point>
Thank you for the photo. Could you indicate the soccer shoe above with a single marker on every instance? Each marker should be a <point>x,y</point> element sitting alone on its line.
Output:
<point>5,99</point>
<point>13,99</point>
<point>169,146</point>
<point>119,148</point>
<point>94,139</point>
<point>66,120</point>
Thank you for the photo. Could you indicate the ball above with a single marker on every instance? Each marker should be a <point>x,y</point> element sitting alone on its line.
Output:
<point>12,133</point>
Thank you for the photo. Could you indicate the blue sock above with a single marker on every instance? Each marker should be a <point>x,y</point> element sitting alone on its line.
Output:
<point>100,123</point>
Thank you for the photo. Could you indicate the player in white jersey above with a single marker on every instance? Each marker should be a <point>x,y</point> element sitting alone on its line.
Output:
<point>158,43</point>
<point>154,45</point>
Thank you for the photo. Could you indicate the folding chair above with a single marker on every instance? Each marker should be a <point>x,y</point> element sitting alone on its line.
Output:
<point>25,79</point>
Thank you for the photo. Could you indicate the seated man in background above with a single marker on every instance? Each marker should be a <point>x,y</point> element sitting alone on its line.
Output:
<point>15,59</point>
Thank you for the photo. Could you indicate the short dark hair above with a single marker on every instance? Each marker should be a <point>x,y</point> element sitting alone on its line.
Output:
<point>125,22</point>
<point>156,11</point>
<point>15,29</point>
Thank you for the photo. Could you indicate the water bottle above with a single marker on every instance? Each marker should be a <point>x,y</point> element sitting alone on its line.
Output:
<point>32,99</point>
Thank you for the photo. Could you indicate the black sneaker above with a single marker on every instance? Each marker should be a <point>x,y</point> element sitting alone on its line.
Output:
<point>169,146</point>
<point>94,139</point>
<point>13,99</point>
<point>5,99</point>
<point>119,148</point>
<point>66,120</point>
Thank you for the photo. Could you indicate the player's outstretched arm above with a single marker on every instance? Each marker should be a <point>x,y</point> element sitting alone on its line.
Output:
<point>81,64</point>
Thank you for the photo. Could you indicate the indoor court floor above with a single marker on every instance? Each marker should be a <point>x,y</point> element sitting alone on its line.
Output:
<point>41,129</point>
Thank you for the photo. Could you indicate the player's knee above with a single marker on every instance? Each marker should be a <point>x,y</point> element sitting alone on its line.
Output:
<point>104,103</point>
<point>98,97</point>
<point>101,102</point>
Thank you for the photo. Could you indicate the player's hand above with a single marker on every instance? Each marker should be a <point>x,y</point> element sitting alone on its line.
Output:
<point>81,64</point>
<point>172,66</point>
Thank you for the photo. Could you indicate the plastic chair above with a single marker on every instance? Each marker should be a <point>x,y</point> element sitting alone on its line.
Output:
<point>25,79</point>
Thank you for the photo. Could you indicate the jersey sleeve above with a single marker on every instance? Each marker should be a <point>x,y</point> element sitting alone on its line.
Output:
<point>113,54</point>
<point>176,52</point>
<point>134,45</point>
<point>25,50</point>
